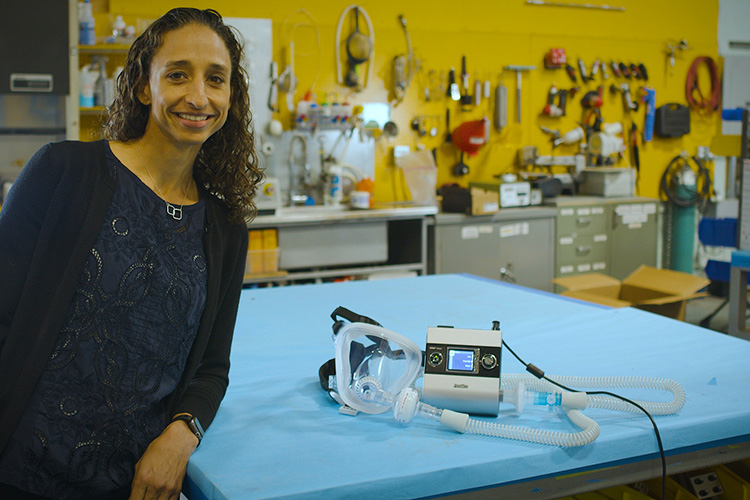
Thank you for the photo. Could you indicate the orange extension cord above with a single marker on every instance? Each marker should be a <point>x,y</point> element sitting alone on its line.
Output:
<point>699,102</point>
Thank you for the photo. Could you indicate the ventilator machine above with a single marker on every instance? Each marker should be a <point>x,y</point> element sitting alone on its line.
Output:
<point>375,370</point>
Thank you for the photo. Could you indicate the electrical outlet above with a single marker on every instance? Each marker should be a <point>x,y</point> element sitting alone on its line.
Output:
<point>706,485</point>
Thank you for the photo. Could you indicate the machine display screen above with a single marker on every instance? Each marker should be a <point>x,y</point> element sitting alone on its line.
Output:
<point>461,360</point>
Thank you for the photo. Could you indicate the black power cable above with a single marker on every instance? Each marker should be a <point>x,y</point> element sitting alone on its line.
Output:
<point>538,373</point>
<point>684,195</point>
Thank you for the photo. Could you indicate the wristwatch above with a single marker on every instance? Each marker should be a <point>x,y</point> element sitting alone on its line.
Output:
<point>193,424</point>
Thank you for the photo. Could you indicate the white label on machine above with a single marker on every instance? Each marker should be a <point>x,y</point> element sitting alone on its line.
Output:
<point>469,233</point>
<point>599,266</point>
<point>567,211</point>
<point>566,240</point>
<point>584,211</point>
<point>584,268</point>
<point>598,238</point>
<point>597,210</point>
<point>567,269</point>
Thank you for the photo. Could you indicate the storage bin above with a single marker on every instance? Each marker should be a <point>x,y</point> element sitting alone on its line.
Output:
<point>675,491</point>
<point>262,261</point>
<point>735,487</point>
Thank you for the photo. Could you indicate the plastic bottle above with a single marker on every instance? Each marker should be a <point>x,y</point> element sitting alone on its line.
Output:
<point>100,89</point>
<point>89,76</point>
<point>334,186</point>
<point>86,24</point>
<point>118,27</point>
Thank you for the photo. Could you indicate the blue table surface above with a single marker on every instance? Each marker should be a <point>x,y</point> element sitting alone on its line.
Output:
<point>278,435</point>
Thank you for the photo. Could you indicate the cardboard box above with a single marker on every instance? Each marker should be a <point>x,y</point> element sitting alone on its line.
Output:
<point>472,201</point>
<point>609,182</point>
<point>660,291</point>
<point>483,201</point>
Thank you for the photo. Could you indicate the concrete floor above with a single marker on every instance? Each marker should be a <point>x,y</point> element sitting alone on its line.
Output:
<point>698,310</point>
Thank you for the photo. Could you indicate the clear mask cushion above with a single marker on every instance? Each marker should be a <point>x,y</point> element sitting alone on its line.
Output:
<point>373,363</point>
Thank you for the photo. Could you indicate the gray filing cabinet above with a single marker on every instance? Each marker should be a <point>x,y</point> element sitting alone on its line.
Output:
<point>515,245</point>
<point>608,235</point>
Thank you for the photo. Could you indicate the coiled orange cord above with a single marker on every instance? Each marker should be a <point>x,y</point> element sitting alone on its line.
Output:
<point>699,102</point>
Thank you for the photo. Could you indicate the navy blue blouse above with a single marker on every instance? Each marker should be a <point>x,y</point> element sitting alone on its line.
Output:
<point>122,350</point>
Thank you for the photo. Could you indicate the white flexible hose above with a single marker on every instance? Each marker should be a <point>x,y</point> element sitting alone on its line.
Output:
<point>511,380</point>
<point>589,432</point>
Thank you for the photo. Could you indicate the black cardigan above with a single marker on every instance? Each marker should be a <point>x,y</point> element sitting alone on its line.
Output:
<point>48,225</point>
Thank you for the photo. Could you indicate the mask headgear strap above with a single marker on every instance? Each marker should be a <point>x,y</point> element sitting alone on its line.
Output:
<point>328,369</point>
<point>350,316</point>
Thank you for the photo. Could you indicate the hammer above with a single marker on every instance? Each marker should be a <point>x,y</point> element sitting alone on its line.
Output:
<point>518,70</point>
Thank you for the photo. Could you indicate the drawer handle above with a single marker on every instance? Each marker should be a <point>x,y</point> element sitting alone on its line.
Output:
<point>583,250</point>
<point>506,273</point>
<point>584,221</point>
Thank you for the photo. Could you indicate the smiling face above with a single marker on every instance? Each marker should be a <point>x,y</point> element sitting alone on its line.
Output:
<point>188,90</point>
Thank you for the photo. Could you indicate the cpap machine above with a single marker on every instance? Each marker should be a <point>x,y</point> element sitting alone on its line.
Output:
<point>375,371</point>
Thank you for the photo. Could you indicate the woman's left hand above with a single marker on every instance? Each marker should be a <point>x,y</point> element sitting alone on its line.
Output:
<point>161,469</point>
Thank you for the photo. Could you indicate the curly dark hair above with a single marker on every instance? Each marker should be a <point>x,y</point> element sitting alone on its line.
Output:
<point>227,164</point>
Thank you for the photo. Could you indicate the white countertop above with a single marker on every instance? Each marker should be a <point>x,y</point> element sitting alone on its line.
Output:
<point>318,213</point>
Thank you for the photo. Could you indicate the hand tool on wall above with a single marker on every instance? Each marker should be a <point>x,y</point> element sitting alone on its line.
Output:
<point>453,91</point>
<point>571,71</point>
<point>582,67</point>
<point>288,80</point>
<point>273,93</point>
<point>605,75</point>
<point>635,71</point>
<point>448,125</point>
<point>519,69</point>
<point>649,98</point>
<point>405,66</point>
<point>477,92</point>
<point>359,47</point>
<point>627,101</point>
<point>644,72</point>
<point>616,70</point>
<point>466,96</point>
<point>592,98</point>
<point>624,70</point>
<point>634,149</point>
<point>501,107</point>
<point>594,69</point>
<point>672,50</point>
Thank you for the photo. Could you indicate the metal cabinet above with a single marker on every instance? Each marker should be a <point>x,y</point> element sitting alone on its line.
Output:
<point>316,245</point>
<point>635,235</point>
<point>607,235</point>
<point>514,245</point>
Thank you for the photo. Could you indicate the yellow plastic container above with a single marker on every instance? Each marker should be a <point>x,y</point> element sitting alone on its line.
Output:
<point>735,487</point>
<point>675,491</point>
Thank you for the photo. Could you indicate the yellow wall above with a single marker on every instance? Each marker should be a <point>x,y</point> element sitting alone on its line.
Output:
<point>491,35</point>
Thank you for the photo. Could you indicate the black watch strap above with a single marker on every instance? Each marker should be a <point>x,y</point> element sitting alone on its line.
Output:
<point>193,424</point>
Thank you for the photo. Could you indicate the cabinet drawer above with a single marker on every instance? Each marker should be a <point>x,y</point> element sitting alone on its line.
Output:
<point>333,244</point>
<point>582,220</point>
<point>582,254</point>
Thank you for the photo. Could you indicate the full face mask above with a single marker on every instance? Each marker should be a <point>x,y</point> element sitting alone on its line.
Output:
<point>372,364</point>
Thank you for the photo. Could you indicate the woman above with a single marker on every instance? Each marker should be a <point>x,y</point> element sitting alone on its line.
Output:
<point>121,262</point>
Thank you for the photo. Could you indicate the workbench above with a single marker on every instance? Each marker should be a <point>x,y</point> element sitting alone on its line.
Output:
<point>278,435</point>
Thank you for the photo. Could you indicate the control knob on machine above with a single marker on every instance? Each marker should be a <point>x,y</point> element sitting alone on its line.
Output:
<point>489,361</point>
<point>436,358</point>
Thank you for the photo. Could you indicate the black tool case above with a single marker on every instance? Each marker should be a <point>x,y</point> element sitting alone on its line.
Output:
<point>672,120</point>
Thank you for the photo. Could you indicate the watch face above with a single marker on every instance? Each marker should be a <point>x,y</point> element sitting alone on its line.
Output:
<point>196,427</point>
